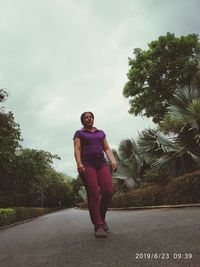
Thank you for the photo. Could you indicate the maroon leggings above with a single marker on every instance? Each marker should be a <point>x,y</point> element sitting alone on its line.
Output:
<point>98,184</point>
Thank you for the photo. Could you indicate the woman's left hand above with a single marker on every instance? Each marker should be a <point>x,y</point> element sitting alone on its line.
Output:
<point>114,165</point>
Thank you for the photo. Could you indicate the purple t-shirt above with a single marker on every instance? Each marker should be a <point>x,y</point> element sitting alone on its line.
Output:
<point>91,146</point>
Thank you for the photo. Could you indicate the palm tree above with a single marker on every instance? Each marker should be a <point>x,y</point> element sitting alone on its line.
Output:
<point>179,153</point>
<point>163,153</point>
<point>129,166</point>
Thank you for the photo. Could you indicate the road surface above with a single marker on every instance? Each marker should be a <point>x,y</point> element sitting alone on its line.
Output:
<point>158,237</point>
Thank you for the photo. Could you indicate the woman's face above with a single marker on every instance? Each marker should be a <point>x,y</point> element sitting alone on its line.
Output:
<point>88,119</point>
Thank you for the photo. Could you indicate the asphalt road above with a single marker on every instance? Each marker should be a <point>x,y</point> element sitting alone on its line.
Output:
<point>159,237</point>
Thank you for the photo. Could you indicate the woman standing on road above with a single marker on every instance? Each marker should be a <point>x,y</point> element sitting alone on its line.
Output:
<point>89,146</point>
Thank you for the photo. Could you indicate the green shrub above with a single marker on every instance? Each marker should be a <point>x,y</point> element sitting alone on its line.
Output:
<point>184,189</point>
<point>155,177</point>
<point>181,190</point>
<point>12,215</point>
<point>147,196</point>
<point>28,213</point>
<point>7,216</point>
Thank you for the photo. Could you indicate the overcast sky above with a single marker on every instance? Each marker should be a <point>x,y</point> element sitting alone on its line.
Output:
<point>59,58</point>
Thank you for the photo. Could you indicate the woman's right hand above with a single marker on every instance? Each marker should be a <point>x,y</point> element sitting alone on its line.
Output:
<point>81,168</point>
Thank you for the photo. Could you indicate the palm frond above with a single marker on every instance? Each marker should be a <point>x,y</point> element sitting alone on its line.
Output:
<point>180,153</point>
<point>195,158</point>
<point>127,180</point>
<point>186,104</point>
<point>114,151</point>
<point>127,148</point>
<point>188,139</point>
<point>129,164</point>
<point>153,144</point>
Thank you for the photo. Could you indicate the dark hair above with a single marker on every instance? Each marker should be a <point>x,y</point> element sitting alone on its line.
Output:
<point>83,114</point>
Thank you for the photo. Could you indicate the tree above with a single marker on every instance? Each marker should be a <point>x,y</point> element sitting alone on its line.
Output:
<point>179,153</point>
<point>155,73</point>
<point>10,135</point>
<point>76,187</point>
<point>56,190</point>
<point>31,174</point>
<point>3,95</point>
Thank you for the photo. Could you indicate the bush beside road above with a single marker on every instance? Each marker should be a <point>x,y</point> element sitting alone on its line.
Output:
<point>13,215</point>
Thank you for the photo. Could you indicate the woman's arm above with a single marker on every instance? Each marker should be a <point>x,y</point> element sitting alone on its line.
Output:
<point>109,154</point>
<point>77,154</point>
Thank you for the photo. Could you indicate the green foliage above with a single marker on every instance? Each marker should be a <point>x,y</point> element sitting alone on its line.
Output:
<point>181,190</point>
<point>26,177</point>
<point>83,193</point>
<point>24,213</point>
<point>129,166</point>
<point>33,182</point>
<point>152,144</point>
<point>158,151</point>
<point>12,215</point>
<point>179,153</point>
<point>10,136</point>
<point>186,105</point>
<point>168,156</point>
<point>155,176</point>
<point>184,189</point>
<point>155,73</point>
<point>147,196</point>
<point>170,124</point>
<point>56,190</point>
<point>77,191</point>
<point>3,95</point>
<point>7,216</point>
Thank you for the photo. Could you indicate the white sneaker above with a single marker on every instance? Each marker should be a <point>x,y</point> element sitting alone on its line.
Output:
<point>100,233</point>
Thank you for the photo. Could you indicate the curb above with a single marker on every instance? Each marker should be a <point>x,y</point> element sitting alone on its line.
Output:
<point>158,207</point>
<point>13,224</point>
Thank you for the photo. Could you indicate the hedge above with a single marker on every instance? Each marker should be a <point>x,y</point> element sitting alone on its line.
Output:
<point>184,189</point>
<point>147,196</point>
<point>7,216</point>
<point>181,190</point>
<point>13,215</point>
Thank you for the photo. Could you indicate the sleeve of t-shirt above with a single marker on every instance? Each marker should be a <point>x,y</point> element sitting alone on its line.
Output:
<point>103,134</point>
<point>77,134</point>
